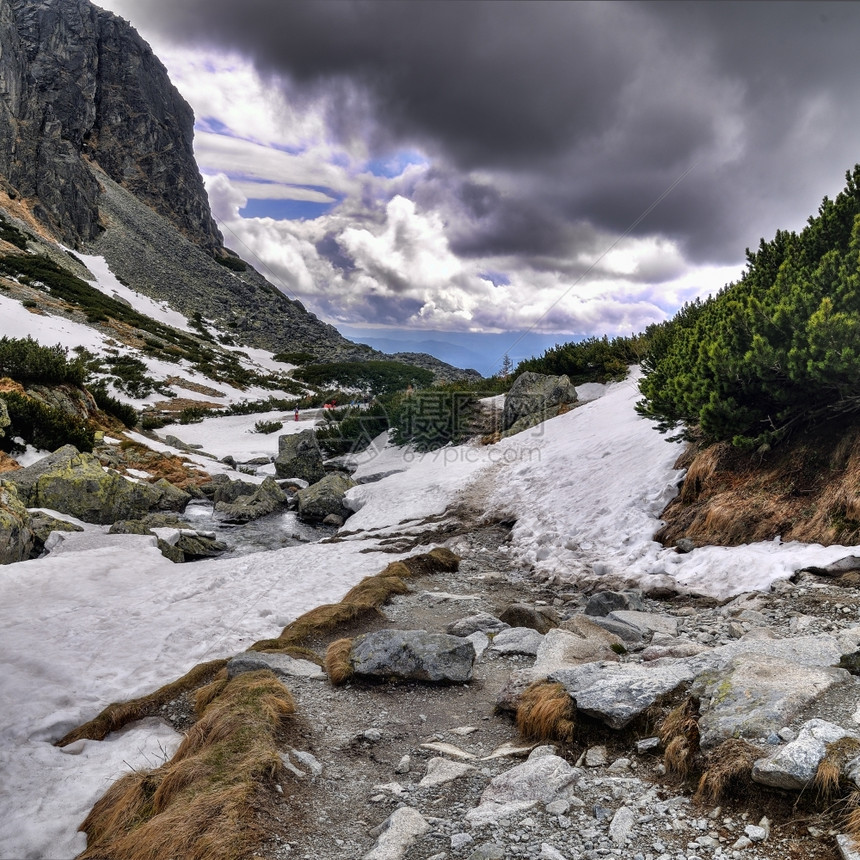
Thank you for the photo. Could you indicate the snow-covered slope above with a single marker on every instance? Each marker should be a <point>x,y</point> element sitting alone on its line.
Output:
<point>82,630</point>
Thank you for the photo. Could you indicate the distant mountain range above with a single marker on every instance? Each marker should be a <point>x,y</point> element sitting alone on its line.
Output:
<point>483,352</point>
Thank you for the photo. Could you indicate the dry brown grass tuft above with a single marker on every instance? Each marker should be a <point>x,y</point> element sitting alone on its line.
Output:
<point>323,619</point>
<point>829,774</point>
<point>375,590</point>
<point>679,734</point>
<point>117,715</point>
<point>205,695</point>
<point>703,467</point>
<point>728,771</point>
<point>360,603</point>
<point>679,756</point>
<point>204,802</point>
<point>546,712</point>
<point>337,663</point>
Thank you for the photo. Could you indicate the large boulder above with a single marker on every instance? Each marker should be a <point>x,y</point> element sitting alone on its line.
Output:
<point>75,483</point>
<point>299,456</point>
<point>325,497</point>
<point>16,535</point>
<point>43,526</point>
<point>794,766</point>
<point>222,489</point>
<point>266,498</point>
<point>413,655</point>
<point>536,397</point>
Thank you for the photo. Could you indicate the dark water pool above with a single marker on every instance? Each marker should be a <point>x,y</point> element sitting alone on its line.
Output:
<point>275,531</point>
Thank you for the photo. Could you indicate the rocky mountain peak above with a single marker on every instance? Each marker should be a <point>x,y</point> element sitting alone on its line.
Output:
<point>79,87</point>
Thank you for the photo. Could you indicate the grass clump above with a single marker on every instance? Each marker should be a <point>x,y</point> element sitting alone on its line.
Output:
<point>337,664</point>
<point>679,734</point>
<point>119,714</point>
<point>205,802</point>
<point>360,603</point>
<point>546,712</point>
<point>728,771</point>
<point>828,776</point>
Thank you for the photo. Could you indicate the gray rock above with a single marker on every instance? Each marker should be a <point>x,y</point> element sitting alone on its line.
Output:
<point>442,770</point>
<point>578,640</point>
<point>646,622</point>
<point>402,828</point>
<point>847,847</point>
<point>75,483</point>
<point>404,765</point>
<point>539,780</point>
<point>684,545</point>
<point>517,640</point>
<point>299,456</point>
<point>413,654</point>
<point>265,499</point>
<point>604,602</point>
<point>17,538</point>
<point>548,852</point>
<point>596,756</point>
<point>621,826</point>
<point>222,489</point>
<point>480,642</point>
<point>631,636</point>
<point>194,545</point>
<point>488,851</point>
<point>836,568</point>
<point>535,395</point>
<point>42,524</point>
<point>280,664</point>
<point>325,497</point>
<point>481,622</point>
<point>333,520</point>
<point>523,615</point>
<point>793,767</point>
<point>618,693</point>
<point>647,745</point>
<point>756,694</point>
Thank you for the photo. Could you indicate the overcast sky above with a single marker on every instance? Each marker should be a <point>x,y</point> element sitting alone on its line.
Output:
<point>578,168</point>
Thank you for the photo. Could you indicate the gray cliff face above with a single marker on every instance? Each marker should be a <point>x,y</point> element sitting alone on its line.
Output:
<point>79,86</point>
<point>97,142</point>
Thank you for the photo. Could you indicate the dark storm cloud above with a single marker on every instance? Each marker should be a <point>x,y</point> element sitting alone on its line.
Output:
<point>580,111</point>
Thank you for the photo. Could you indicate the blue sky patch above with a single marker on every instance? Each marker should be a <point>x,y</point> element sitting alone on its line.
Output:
<point>286,210</point>
<point>394,165</point>
<point>497,279</point>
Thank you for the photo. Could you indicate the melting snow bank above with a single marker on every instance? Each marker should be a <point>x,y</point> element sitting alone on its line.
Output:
<point>81,630</point>
<point>587,490</point>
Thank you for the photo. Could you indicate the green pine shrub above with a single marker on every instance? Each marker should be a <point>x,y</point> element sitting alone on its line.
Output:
<point>25,360</point>
<point>777,350</point>
<point>42,426</point>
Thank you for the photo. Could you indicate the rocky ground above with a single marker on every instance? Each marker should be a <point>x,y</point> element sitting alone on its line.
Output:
<point>417,771</point>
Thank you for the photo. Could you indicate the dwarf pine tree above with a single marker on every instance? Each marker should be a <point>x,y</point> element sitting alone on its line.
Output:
<point>777,349</point>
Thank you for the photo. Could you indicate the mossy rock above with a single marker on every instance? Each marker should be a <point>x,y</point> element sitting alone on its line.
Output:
<point>16,535</point>
<point>75,483</point>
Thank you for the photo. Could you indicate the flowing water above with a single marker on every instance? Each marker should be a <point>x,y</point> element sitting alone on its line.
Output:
<point>274,531</point>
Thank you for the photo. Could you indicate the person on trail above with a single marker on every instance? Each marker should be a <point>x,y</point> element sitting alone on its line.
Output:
<point>297,413</point>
